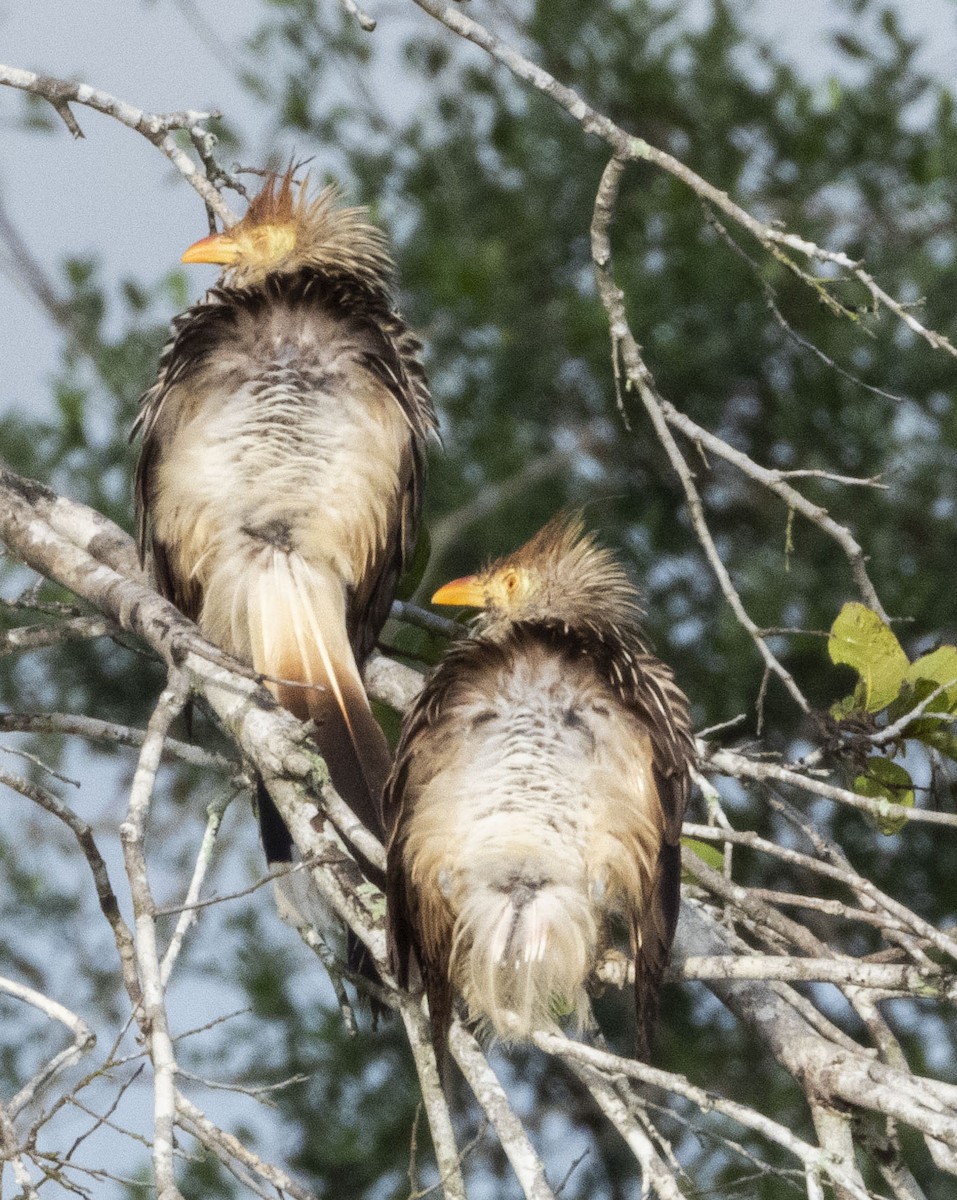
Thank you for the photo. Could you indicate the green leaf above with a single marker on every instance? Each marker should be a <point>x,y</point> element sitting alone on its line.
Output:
<point>887,780</point>
<point>853,47</point>
<point>177,287</point>
<point>705,851</point>
<point>938,668</point>
<point>938,738</point>
<point>863,641</point>
<point>835,94</point>
<point>844,708</point>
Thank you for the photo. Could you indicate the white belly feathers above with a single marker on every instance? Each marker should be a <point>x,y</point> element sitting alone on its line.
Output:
<point>532,831</point>
<point>281,462</point>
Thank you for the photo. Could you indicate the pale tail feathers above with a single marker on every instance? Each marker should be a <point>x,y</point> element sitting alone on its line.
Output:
<point>521,955</point>
<point>296,630</point>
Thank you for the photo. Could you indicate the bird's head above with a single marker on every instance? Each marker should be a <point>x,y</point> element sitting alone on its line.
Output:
<point>560,575</point>
<point>287,229</point>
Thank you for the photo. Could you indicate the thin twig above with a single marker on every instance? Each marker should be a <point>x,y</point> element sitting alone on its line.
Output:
<point>155,127</point>
<point>366,23</point>
<point>739,766</point>
<point>776,482</point>
<point>638,375</point>
<point>626,147</point>
<point>13,1153</point>
<point>189,911</point>
<point>491,1096</point>
<point>83,1040</point>
<point>612,1066</point>
<point>107,731</point>
<point>132,835</point>
<point>436,1105</point>
<point>225,1146</point>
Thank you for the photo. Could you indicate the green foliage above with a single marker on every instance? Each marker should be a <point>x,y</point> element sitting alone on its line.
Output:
<point>934,671</point>
<point>83,446</point>
<point>887,780</point>
<point>706,851</point>
<point>415,571</point>
<point>889,684</point>
<point>488,190</point>
<point>347,1142</point>
<point>861,639</point>
<point>37,115</point>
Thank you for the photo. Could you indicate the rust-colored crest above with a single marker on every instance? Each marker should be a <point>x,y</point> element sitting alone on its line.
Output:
<point>289,227</point>
<point>275,204</point>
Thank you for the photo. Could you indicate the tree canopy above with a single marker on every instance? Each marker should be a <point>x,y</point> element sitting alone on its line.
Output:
<point>778,378</point>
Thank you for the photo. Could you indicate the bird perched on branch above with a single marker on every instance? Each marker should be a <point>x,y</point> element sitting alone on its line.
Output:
<point>537,793</point>
<point>279,485</point>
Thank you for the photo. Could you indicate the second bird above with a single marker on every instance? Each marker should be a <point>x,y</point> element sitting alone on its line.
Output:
<point>537,794</point>
<point>280,480</point>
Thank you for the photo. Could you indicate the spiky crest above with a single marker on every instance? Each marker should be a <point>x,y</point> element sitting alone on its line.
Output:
<point>288,228</point>
<point>561,575</point>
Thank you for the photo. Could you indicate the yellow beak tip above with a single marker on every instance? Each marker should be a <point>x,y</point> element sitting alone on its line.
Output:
<point>217,248</point>
<point>466,592</point>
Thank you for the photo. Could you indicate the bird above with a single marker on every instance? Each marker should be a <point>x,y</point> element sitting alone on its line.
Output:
<point>537,795</point>
<point>280,476</point>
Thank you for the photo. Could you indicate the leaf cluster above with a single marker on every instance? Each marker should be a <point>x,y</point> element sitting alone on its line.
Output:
<point>889,689</point>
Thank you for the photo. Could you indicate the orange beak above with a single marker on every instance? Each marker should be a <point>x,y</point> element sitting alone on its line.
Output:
<point>217,248</point>
<point>466,592</point>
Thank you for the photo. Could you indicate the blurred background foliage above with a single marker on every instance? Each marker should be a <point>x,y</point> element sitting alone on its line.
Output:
<point>487,189</point>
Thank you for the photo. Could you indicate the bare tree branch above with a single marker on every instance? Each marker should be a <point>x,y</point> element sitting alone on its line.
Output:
<point>738,938</point>
<point>13,1153</point>
<point>833,1068</point>
<point>365,22</point>
<point>492,1097</point>
<point>625,147</point>
<point>155,127</point>
<point>433,1096</point>
<point>132,835</point>
<point>113,734</point>
<point>83,1040</point>
<point>639,377</point>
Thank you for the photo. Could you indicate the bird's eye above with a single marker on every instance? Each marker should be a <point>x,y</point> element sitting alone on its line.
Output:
<point>511,582</point>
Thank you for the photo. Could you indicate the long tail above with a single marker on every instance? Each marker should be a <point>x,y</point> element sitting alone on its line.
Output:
<point>523,946</point>
<point>653,931</point>
<point>267,603</point>
<point>297,633</point>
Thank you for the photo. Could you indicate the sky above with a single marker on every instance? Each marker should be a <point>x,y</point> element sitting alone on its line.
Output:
<point>112,194</point>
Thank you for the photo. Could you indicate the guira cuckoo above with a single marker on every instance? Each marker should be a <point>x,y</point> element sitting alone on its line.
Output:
<point>537,793</point>
<point>279,485</point>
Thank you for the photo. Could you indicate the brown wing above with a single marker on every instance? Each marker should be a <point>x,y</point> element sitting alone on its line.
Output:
<point>194,334</point>
<point>646,686</point>
<point>654,696</point>
<point>392,356</point>
<point>186,594</point>
<point>419,949</point>
<point>413,955</point>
